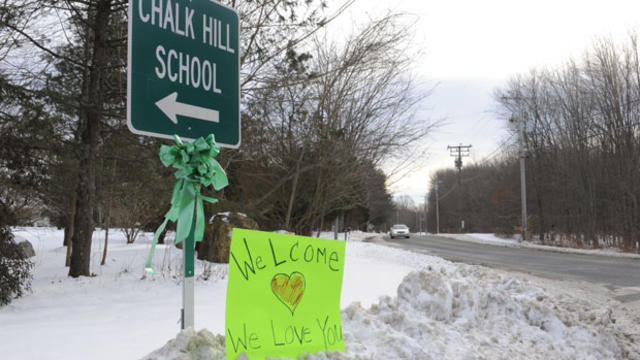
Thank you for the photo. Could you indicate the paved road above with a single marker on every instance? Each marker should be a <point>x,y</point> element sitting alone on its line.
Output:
<point>611,271</point>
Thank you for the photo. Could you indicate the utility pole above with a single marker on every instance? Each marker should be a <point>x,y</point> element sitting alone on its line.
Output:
<point>459,151</point>
<point>437,209</point>
<point>523,181</point>
<point>426,214</point>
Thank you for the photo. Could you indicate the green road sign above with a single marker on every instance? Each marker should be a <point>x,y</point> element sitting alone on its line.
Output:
<point>184,66</point>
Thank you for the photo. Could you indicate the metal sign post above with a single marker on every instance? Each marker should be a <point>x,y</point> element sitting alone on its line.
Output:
<point>188,285</point>
<point>184,79</point>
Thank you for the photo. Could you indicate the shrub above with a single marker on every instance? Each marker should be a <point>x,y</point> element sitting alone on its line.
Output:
<point>15,269</point>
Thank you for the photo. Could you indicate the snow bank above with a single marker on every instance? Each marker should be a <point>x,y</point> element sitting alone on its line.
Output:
<point>191,345</point>
<point>468,313</point>
<point>355,235</point>
<point>492,239</point>
<point>462,312</point>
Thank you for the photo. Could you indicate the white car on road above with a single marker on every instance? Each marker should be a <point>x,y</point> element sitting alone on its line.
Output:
<point>399,230</point>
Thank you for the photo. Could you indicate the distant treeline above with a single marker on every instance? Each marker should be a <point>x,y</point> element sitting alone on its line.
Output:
<point>582,137</point>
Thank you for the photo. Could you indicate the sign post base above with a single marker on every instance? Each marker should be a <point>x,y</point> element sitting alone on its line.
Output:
<point>188,284</point>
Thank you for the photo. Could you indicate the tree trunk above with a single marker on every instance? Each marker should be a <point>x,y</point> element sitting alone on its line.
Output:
<point>107,215</point>
<point>88,130</point>
<point>294,186</point>
<point>68,231</point>
<point>106,232</point>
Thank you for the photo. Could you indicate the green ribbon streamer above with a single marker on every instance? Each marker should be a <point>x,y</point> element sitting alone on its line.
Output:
<point>196,167</point>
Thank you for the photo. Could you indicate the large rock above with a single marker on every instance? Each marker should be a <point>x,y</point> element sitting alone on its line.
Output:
<point>217,235</point>
<point>25,247</point>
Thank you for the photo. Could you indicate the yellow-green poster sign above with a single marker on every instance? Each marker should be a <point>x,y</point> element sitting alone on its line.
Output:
<point>283,296</point>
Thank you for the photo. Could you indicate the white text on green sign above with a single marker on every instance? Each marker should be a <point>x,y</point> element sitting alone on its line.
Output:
<point>184,70</point>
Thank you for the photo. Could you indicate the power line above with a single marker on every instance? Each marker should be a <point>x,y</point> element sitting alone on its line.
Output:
<point>495,152</point>
<point>449,192</point>
<point>459,151</point>
<point>485,159</point>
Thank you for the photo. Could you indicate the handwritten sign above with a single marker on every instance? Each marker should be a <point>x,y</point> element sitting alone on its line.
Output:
<point>283,296</point>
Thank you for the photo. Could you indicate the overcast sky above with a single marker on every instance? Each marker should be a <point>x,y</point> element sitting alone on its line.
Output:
<point>472,47</point>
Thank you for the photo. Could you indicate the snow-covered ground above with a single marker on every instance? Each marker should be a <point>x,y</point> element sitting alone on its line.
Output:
<point>513,242</point>
<point>396,305</point>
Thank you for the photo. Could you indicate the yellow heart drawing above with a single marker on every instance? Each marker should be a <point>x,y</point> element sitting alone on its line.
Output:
<point>288,289</point>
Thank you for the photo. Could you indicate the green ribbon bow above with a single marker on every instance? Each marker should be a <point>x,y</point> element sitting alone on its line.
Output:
<point>196,167</point>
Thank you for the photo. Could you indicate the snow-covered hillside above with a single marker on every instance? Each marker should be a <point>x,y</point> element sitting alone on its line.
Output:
<point>396,305</point>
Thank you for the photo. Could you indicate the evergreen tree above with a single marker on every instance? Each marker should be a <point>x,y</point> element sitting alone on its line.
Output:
<point>15,268</point>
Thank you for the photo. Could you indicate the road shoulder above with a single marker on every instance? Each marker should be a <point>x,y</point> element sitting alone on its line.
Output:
<point>528,245</point>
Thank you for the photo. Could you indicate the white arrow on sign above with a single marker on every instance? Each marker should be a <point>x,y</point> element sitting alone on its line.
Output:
<point>171,107</point>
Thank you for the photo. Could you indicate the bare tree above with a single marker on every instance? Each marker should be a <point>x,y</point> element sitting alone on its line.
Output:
<point>583,136</point>
<point>326,117</point>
